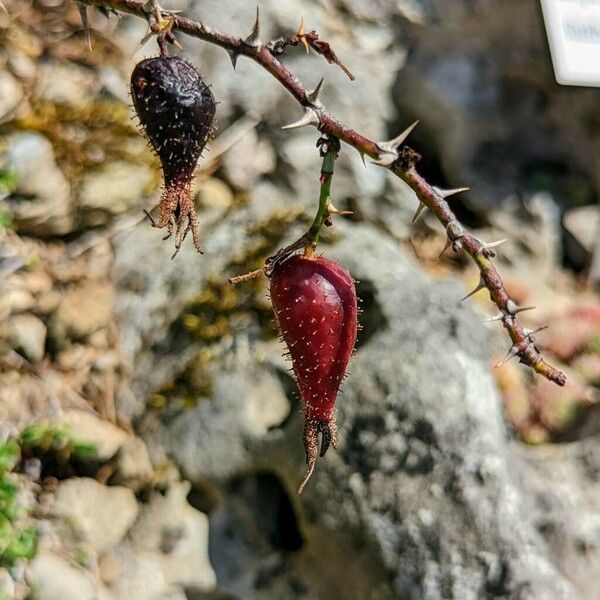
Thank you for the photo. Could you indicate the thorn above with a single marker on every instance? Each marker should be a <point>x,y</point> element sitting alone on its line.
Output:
<point>233,56</point>
<point>480,286</point>
<point>512,352</point>
<point>392,146</point>
<point>492,245</point>
<point>252,39</point>
<point>301,35</point>
<point>3,7</point>
<point>487,250</point>
<point>498,317</point>
<point>420,208</point>
<point>309,118</point>
<point>513,309</point>
<point>313,97</point>
<point>530,332</point>
<point>84,20</point>
<point>447,193</point>
<point>332,210</point>
<point>176,43</point>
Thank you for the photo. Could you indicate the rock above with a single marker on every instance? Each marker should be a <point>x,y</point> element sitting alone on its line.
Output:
<point>11,94</point>
<point>16,299</point>
<point>583,224</point>
<point>100,515</point>
<point>215,193</point>
<point>112,190</point>
<point>52,577</point>
<point>75,358</point>
<point>82,310</point>
<point>36,281</point>
<point>41,202</point>
<point>249,411</point>
<point>87,427</point>
<point>583,231</point>
<point>7,584</point>
<point>178,534</point>
<point>66,82</point>
<point>27,335</point>
<point>134,467</point>
<point>248,160</point>
<point>141,577</point>
<point>562,481</point>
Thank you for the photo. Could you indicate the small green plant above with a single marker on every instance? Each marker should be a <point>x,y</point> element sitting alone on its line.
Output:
<point>8,184</point>
<point>8,181</point>
<point>18,534</point>
<point>18,539</point>
<point>56,437</point>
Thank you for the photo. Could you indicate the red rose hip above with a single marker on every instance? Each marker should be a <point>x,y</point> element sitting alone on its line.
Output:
<point>315,304</point>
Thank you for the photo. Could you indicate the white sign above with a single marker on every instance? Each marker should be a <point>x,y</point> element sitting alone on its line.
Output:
<point>573,28</point>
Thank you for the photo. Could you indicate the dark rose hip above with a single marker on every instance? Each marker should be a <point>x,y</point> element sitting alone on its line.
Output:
<point>176,110</point>
<point>316,307</point>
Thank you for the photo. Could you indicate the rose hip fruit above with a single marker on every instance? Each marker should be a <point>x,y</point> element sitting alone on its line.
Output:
<point>315,303</point>
<point>176,110</point>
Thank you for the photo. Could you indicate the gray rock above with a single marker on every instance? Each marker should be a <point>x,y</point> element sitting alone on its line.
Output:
<point>112,190</point>
<point>141,577</point>
<point>41,203</point>
<point>178,535</point>
<point>15,298</point>
<point>89,428</point>
<point>134,467</point>
<point>7,584</point>
<point>27,335</point>
<point>52,577</point>
<point>100,515</point>
<point>66,82</point>
<point>11,94</point>
<point>583,224</point>
<point>82,310</point>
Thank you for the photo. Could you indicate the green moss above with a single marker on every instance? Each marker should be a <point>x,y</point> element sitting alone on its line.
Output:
<point>105,133</point>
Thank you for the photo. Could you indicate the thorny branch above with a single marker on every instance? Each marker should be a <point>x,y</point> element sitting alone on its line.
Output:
<point>393,155</point>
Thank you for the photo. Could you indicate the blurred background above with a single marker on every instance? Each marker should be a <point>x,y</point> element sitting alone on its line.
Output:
<point>150,443</point>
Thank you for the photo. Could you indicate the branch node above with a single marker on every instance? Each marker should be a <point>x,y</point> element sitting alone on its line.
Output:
<point>389,150</point>
<point>487,250</point>
<point>454,230</point>
<point>408,158</point>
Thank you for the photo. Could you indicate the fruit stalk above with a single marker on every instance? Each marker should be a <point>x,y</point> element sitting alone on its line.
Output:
<point>323,212</point>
